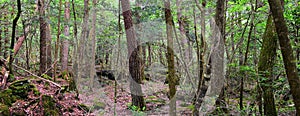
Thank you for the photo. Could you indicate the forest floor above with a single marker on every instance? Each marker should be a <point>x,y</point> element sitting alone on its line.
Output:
<point>101,101</point>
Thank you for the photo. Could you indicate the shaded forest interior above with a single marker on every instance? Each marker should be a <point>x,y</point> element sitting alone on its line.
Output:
<point>149,57</point>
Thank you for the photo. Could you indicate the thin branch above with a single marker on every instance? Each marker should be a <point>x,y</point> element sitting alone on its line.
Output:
<point>56,84</point>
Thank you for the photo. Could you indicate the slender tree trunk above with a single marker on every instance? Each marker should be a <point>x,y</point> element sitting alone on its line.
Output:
<point>75,50</point>
<point>1,42</point>
<point>13,35</point>
<point>45,41</point>
<point>220,22</point>
<point>202,87</point>
<point>134,60</point>
<point>170,58</point>
<point>65,42</point>
<point>57,40</point>
<point>149,54</point>
<point>82,42</point>
<point>6,38</point>
<point>92,41</point>
<point>287,52</point>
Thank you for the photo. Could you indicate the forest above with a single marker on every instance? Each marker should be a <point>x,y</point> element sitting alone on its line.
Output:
<point>149,57</point>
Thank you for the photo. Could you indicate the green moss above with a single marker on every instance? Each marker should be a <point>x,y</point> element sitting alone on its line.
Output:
<point>49,106</point>
<point>7,97</point>
<point>21,88</point>
<point>99,105</point>
<point>4,111</point>
<point>47,77</point>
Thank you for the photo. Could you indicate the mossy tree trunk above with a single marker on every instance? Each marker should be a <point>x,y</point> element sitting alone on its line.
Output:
<point>170,59</point>
<point>286,51</point>
<point>265,66</point>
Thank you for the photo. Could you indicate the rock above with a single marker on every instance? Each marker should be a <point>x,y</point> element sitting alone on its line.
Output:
<point>7,98</point>
<point>21,88</point>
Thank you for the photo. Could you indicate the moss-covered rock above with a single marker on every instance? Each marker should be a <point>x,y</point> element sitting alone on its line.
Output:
<point>21,88</point>
<point>7,97</point>
<point>50,106</point>
<point>4,111</point>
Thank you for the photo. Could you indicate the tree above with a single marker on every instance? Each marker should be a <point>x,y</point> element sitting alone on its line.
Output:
<point>202,88</point>
<point>219,65</point>
<point>171,77</point>
<point>216,60</point>
<point>65,42</point>
<point>79,58</point>
<point>134,59</point>
<point>57,39</point>
<point>92,44</point>
<point>286,51</point>
<point>45,39</point>
<point>265,66</point>
<point>12,43</point>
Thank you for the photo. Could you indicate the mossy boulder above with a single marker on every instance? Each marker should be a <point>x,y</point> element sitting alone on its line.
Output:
<point>21,88</point>
<point>4,111</point>
<point>7,97</point>
<point>50,106</point>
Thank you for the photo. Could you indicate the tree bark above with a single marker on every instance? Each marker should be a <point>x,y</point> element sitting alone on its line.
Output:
<point>265,66</point>
<point>57,39</point>
<point>45,41</point>
<point>75,50</point>
<point>79,68</point>
<point>220,22</point>
<point>13,35</point>
<point>65,42</point>
<point>92,42</point>
<point>216,61</point>
<point>134,60</point>
<point>170,59</point>
<point>286,51</point>
<point>201,50</point>
<point>1,43</point>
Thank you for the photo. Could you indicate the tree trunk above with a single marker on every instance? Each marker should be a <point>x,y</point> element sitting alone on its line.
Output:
<point>57,39</point>
<point>134,60</point>
<point>65,42</point>
<point>79,69</point>
<point>75,50</point>
<point>1,42</point>
<point>13,35</point>
<point>170,58</point>
<point>265,67</point>
<point>45,41</point>
<point>216,61</point>
<point>286,51</point>
<point>201,50</point>
<point>92,42</point>
<point>220,22</point>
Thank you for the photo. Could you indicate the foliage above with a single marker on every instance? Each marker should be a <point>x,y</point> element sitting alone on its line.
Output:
<point>151,16</point>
